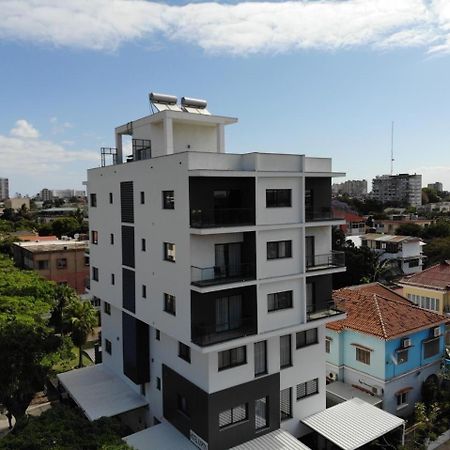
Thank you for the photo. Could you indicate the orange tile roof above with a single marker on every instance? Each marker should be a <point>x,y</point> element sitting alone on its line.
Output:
<point>437,277</point>
<point>376,310</point>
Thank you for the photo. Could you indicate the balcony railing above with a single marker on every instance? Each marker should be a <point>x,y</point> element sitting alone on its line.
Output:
<point>223,217</point>
<point>207,276</point>
<point>322,310</point>
<point>331,260</point>
<point>319,214</point>
<point>213,334</point>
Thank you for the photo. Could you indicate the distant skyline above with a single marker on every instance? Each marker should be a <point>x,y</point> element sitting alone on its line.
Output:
<point>321,78</point>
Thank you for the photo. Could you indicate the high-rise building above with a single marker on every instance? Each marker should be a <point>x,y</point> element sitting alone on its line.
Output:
<point>353,188</point>
<point>4,188</point>
<point>215,275</point>
<point>46,195</point>
<point>437,186</point>
<point>403,189</point>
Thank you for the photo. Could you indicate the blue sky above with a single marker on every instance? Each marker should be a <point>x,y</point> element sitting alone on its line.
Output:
<point>324,78</point>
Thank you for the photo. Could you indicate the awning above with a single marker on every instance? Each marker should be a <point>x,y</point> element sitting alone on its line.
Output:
<point>353,423</point>
<point>276,440</point>
<point>98,392</point>
<point>342,392</point>
<point>163,436</point>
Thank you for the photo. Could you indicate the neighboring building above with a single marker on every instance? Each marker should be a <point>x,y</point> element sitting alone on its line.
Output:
<point>50,214</point>
<point>67,193</point>
<point>404,251</point>
<point>402,188</point>
<point>31,236</point>
<point>385,348</point>
<point>355,225</point>
<point>353,188</point>
<point>437,186</point>
<point>46,195</point>
<point>60,261</point>
<point>17,203</point>
<point>390,226</point>
<point>436,207</point>
<point>4,189</point>
<point>215,274</point>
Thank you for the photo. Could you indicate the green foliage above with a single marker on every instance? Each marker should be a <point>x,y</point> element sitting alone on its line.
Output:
<point>437,250</point>
<point>430,196</point>
<point>436,230</point>
<point>409,229</point>
<point>65,226</point>
<point>63,427</point>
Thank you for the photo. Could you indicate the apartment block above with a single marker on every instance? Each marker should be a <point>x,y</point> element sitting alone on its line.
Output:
<point>403,189</point>
<point>4,188</point>
<point>214,270</point>
<point>353,188</point>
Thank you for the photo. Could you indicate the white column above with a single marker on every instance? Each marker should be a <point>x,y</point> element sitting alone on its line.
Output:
<point>119,157</point>
<point>168,135</point>
<point>220,138</point>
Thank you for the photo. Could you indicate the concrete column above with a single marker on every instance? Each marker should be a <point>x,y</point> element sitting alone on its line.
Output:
<point>119,157</point>
<point>220,138</point>
<point>168,135</point>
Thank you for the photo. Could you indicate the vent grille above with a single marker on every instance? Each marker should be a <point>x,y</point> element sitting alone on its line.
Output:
<point>127,201</point>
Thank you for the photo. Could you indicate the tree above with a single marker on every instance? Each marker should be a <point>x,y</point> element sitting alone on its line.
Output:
<point>439,229</point>
<point>66,226</point>
<point>437,250</point>
<point>82,318</point>
<point>409,229</point>
<point>64,296</point>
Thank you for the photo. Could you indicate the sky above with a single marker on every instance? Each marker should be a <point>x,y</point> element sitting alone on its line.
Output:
<point>320,77</point>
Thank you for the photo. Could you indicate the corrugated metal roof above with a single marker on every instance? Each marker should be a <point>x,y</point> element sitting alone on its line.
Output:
<point>276,440</point>
<point>388,237</point>
<point>346,392</point>
<point>353,423</point>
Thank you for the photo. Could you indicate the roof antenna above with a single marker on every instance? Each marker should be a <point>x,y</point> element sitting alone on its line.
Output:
<point>392,148</point>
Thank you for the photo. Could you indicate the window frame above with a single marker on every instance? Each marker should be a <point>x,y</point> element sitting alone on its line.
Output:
<point>232,412</point>
<point>111,198</point>
<point>170,305</point>
<point>306,386</point>
<point>277,201</point>
<point>144,291</point>
<point>265,402</point>
<point>111,238</point>
<point>95,273</point>
<point>429,342</point>
<point>93,200</point>
<point>45,265</point>
<point>107,308</point>
<point>143,245</point>
<point>142,197</point>
<point>184,352</point>
<point>94,237</point>
<point>166,252</point>
<point>232,357</point>
<point>276,298</point>
<point>59,265</point>
<point>283,414</point>
<point>277,252</point>
<point>402,351</point>
<point>113,279</point>
<point>305,333</point>
<point>285,337</point>
<point>359,351</point>
<point>108,346</point>
<point>168,203</point>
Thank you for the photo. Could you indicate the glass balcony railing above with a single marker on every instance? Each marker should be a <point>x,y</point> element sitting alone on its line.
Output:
<point>321,310</point>
<point>331,260</point>
<point>207,276</point>
<point>319,214</point>
<point>204,335</point>
<point>223,217</point>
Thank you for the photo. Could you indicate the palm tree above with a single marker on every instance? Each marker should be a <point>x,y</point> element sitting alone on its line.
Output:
<point>64,296</point>
<point>82,318</point>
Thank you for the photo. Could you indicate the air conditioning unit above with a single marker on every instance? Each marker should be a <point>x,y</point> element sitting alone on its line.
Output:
<point>333,376</point>
<point>374,390</point>
<point>406,343</point>
<point>436,332</point>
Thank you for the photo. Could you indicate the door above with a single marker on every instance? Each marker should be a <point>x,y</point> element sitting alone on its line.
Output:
<point>228,313</point>
<point>309,243</point>
<point>228,259</point>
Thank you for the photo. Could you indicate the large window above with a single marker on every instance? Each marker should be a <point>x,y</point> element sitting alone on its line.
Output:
<point>232,358</point>
<point>279,300</point>
<point>286,404</point>
<point>233,415</point>
<point>363,355</point>
<point>261,413</point>
<point>424,302</point>
<point>307,388</point>
<point>260,349</point>
<point>168,200</point>
<point>169,251</point>
<point>307,337</point>
<point>431,348</point>
<point>228,313</point>
<point>278,198</point>
<point>170,304</point>
<point>184,352</point>
<point>285,351</point>
<point>279,249</point>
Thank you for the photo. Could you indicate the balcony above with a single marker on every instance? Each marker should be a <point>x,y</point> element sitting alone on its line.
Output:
<point>204,335</point>
<point>210,276</point>
<point>319,214</point>
<point>321,311</point>
<point>224,217</point>
<point>327,261</point>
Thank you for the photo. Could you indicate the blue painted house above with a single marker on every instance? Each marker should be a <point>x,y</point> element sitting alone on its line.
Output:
<point>386,347</point>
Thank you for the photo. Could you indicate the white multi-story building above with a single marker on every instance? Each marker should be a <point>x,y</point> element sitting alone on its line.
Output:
<point>353,188</point>
<point>403,189</point>
<point>214,272</point>
<point>4,188</point>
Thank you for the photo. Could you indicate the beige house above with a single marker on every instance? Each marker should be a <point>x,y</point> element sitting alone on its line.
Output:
<point>17,203</point>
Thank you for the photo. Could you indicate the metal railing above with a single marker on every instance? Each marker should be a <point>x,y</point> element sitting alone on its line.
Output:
<point>203,218</point>
<point>204,276</point>
<point>318,214</point>
<point>321,310</point>
<point>327,261</point>
<point>212,334</point>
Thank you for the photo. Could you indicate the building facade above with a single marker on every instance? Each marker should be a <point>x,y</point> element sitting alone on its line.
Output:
<point>403,189</point>
<point>17,203</point>
<point>386,347</point>
<point>353,188</point>
<point>214,272</point>
<point>437,186</point>
<point>4,189</point>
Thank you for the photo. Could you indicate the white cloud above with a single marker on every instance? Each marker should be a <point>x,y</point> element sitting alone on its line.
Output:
<point>242,28</point>
<point>59,127</point>
<point>24,129</point>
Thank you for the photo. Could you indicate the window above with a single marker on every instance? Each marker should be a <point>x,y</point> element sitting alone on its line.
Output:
<point>94,237</point>
<point>111,198</point>
<point>113,279</point>
<point>95,273</point>
<point>61,263</point>
<point>157,335</point>
<point>86,260</point>
<point>278,198</point>
<point>402,356</point>
<point>233,415</point>
<point>286,404</point>
<point>168,200</point>
<point>158,383</point>
<point>108,346</point>
<point>307,337</point>
<point>431,348</point>
<point>307,388</point>
<point>43,264</point>
<point>285,351</point>
<point>170,304</point>
<point>232,358</point>
<point>260,350</point>
<point>95,301</point>
<point>261,413</point>
<point>111,239</point>
<point>402,399</point>
<point>279,300</point>
<point>327,345</point>
<point>144,291</point>
<point>169,251</point>
<point>142,197</point>
<point>279,249</point>
<point>425,302</point>
<point>107,308</point>
<point>414,263</point>
<point>182,404</point>
<point>93,200</point>
<point>184,352</point>
<point>363,355</point>
<point>143,245</point>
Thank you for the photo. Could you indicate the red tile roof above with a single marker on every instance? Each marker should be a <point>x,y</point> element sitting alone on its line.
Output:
<point>376,310</point>
<point>437,277</point>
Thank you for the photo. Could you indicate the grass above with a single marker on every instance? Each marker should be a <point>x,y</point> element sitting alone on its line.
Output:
<point>71,363</point>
